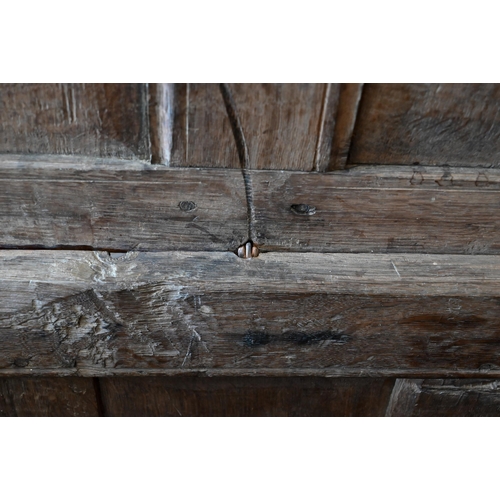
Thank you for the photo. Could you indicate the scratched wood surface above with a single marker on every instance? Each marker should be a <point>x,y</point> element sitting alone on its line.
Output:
<point>237,396</point>
<point>48,397</point>
<point>282,314</point>
<point>430,124</point>
<point>286,126</point>
<point>109,120</point>
<point>445,398</point>
<point>129,205</point>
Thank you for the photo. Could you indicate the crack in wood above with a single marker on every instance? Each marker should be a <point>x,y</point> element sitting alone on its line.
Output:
<point>243,155</point>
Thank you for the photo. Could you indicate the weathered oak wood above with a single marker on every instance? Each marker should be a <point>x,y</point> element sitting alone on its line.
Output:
<point>281,123</point>
<point>348,107</point>
<point>107,120</point>
<point>445,398</point>
<point>161,118</point>
<point>245,397</point>
<point>202,130</point>
<point>119,205</point>
<point>47,397</point>
<point>430,124</point>
<point>51,202</point>
<point>279,314</point>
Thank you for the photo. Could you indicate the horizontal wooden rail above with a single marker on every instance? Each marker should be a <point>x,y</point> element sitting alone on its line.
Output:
<point>68,202</point>
<point>90,313</point>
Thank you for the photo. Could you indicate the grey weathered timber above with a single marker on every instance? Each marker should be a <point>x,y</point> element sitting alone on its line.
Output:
<point>428,123</point>
<point>85,202</point>
<point>107,120</point>
<point>286,126</point>
<point>445,398</point>
<point>57,202</point>
<point>91,313</point>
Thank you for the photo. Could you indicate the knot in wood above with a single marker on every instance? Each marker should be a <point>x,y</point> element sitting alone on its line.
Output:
<point>303,209</point>
<point>247,251</point>
<point>187,206</point>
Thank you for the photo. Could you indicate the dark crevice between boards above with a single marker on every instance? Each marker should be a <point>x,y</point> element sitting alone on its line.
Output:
<point>101,411</point>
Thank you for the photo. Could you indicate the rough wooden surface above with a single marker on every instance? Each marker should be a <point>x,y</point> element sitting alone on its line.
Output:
<point>161,121</point>
<point>107,120</point>
<point>445,398</point>
<point>48,397</point>
<point>380,209</point>
<point>279,314</point>
<point>121,205</point>
<point>235,397</point>
<point>430,124</point>
<point>281,123</point>
<point>202,130</point>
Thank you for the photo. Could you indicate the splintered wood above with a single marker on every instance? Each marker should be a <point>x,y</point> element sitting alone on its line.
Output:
<point>178,312</point>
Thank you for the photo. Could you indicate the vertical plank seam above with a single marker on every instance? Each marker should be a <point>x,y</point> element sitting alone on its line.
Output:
<point>101,411</point>
<point>243,155</point>
<point>319,141</point>
<point>356,114</point>
<point>342,138</point>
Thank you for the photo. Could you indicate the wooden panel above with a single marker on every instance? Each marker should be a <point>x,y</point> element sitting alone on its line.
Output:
<point>379,209</point>
<point>120,205</point>
<point>445,398</point>
<point>244,397</point>
<point>281,124</point>
<point>430,124</point>
<point>83,119</point>
<point>47,397</point>
<point>202,133</point>
<point>281,314</point>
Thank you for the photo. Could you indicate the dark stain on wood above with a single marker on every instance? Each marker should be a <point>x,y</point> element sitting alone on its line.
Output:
<point>253,339</point>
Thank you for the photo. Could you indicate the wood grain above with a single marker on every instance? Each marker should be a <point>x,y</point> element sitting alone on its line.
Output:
<point>106,120</point>
<point>119,206</point>
<point>127,205</point>
<point>430,124</point>
<point>445,398</point>
<point>161,118</point>
<point>281,123</point>
<point>348,107</point>
<point>202,133</point>
<point>47,397</point>
<point>279,314</point>
<point>245,397</point>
